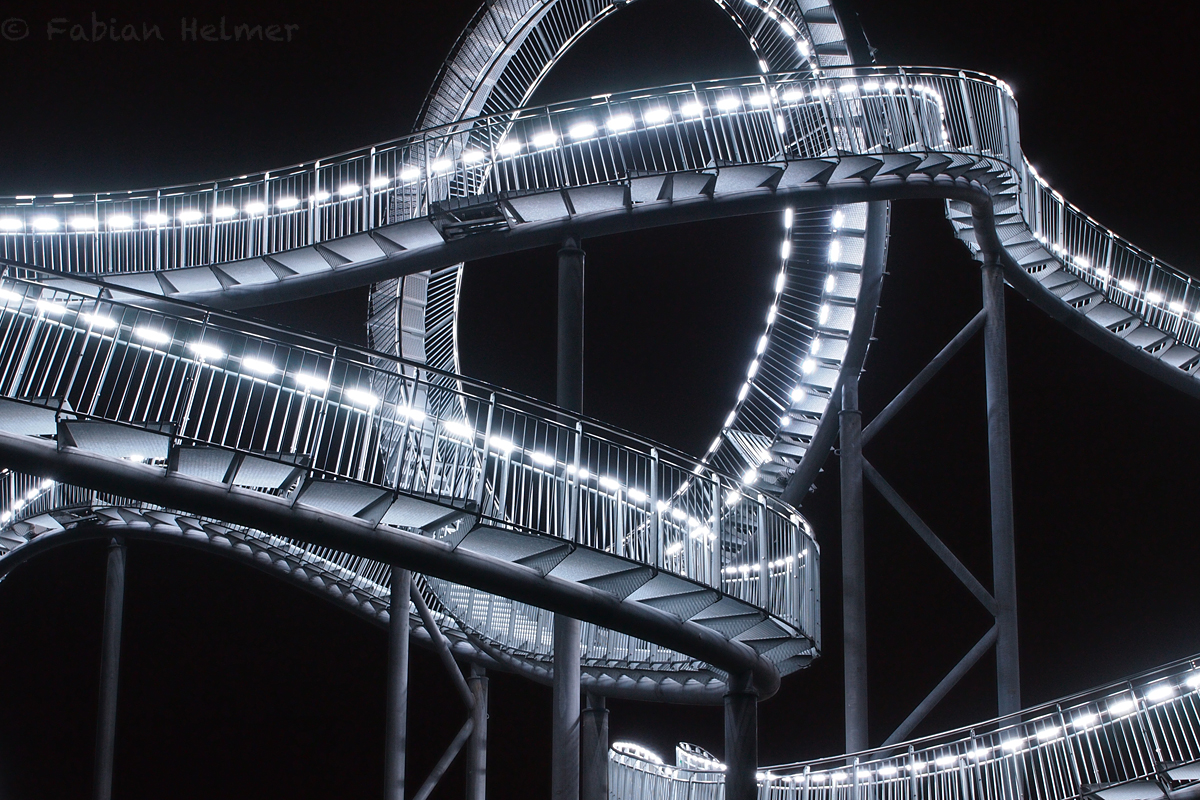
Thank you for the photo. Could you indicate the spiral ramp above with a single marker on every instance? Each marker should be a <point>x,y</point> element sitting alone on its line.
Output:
<point>685,569</point>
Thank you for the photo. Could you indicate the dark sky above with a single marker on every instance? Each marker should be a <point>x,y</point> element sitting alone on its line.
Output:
<point>237,686</point>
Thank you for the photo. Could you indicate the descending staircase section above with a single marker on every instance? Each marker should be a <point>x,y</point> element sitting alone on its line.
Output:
<point>1138,739</point>
<point>1132,297</point>
<point>482,473</point>
<point>798,360</point>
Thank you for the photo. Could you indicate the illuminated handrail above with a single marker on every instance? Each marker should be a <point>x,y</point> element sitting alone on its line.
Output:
<point>770,119</point>
<point>1141,728</point>
<point>201,381</point>
<point>605,139</point>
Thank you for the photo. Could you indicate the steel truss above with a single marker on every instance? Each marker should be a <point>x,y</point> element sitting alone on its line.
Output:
<point>1002,602</point>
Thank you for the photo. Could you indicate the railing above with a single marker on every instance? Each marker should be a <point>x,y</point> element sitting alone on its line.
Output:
<point>30,497</point>
<point>1143,728</point>
<point>605,139</point>
<point>204,379</point>
<point>1126,275</point>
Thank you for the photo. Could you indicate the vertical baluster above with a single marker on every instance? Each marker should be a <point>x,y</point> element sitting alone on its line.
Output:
<point>969,109</point>
<point>764,571</point>
<point>656,543</point>
<point>573,489</point>
<point>483,453</point>
<point>717,501</point>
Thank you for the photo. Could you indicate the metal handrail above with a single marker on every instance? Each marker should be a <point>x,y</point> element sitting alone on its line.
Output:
<point>1140,728</point>
<point>768,119</point>
<point>513,462</point>
<point>229,219</point>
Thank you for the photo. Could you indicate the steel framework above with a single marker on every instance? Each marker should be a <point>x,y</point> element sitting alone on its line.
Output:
<point>528,537</point>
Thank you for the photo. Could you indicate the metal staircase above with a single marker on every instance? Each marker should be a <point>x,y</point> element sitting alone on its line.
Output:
<point>1136,739</point>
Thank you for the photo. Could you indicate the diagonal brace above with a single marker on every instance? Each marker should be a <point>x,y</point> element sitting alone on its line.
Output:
<point>943,688</point>
<point>443,764</point>
<point>443,649</point>
<point>924,376</point>
<point>930,538</point>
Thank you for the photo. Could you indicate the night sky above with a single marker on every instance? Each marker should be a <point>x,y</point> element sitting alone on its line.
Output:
<point>235,685</point>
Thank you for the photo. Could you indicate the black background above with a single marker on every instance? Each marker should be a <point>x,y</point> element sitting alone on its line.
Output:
<point>234,685</point>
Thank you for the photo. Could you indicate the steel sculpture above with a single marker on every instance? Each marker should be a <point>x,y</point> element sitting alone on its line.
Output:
<point>527,537</point>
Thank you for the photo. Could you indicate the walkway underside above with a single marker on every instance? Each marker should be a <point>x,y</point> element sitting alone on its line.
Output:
<point>482,558</point>
<point>363,592</point>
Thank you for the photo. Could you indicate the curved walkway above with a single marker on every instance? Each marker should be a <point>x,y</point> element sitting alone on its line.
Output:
<point>1135,739</point>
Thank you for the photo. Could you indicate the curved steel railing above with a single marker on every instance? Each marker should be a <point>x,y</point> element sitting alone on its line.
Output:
<point>1145,728</point>
<point>204,379</point>
<point>611,138</point>
<point>605,139</point>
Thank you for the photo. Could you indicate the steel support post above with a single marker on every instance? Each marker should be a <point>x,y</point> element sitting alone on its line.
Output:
<point>564,782</point>
<point>397,686</point>
<point>854,575</point>
<point>1004,577</point>
<point>593,727</point>
<point>477,746</point>
<point>741,738</point>
<point>564,755</point>
<point>110,668</point>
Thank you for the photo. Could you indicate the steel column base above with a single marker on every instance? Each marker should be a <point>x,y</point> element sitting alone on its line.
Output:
<point>477,746</point>
<point>593,735</point>
<point>110,669</point>
<point>741,739</point>
<point>395,741</point>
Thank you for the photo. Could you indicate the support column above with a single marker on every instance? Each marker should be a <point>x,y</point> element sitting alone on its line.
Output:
<point>564,780</point>
<point>395,741</point>
<point>1004,574</point>
<point>110,669</point>
<point>594,740</point>
<point>854,575</point>
<point>741,738</point>
<point>477,746</point>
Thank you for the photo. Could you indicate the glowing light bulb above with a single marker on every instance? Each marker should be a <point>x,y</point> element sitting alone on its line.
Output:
<point>361,397</point>
<point>259,366</point>
<point>620,122</point>
<point>654,116</point>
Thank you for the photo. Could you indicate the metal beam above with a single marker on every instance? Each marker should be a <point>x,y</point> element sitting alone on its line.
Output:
<point>396,737</point>
<point>364,538</point>
<point>443,764</point>
<point>1004,570</point>
<point>504,241</point>
<point>110,669</point>
<point>442,648</point>
<point>854,572</point>
<point>924,376</point>
<point>564,766</point>
<point>564,755</point>
<point>929,537</point>
<point>943,688</point>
